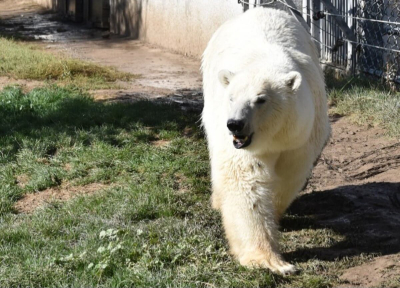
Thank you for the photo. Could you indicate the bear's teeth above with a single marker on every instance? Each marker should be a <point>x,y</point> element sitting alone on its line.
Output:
<point>240,139</point>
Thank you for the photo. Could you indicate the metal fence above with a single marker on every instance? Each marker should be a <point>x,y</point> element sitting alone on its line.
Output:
<point>351,35</point>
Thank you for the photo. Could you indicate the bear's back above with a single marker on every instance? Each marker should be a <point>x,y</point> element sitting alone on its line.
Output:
<point>257,31</point>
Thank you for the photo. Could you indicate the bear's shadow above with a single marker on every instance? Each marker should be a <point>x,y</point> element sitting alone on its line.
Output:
<point>368,216</point>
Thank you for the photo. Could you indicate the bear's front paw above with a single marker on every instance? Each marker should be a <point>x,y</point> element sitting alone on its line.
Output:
<point>274,264</point>
<point>287,269</point>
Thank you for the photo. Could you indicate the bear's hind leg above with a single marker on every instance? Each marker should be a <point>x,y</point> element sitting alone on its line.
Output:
<point>286,194</point>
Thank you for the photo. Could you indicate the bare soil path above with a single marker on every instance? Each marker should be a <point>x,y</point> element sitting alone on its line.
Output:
<point>22,8</point>
<point>355,187</point>
<point>162,72</point>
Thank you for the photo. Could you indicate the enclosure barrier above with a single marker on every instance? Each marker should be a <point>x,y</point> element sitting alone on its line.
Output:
<point>351,35</point>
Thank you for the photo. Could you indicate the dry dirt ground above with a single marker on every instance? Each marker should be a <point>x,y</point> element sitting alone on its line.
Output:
<point>354,189</point>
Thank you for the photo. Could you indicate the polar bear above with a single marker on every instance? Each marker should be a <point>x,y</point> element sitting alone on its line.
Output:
<point>265,118</point>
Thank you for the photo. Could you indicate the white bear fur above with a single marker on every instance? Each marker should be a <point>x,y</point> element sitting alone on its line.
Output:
<point>264,51</point>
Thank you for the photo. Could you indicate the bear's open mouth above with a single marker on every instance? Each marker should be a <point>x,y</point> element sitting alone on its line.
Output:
<point>242,141</point>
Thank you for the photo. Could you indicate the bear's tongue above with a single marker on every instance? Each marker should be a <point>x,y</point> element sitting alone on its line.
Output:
<point>240,141</point>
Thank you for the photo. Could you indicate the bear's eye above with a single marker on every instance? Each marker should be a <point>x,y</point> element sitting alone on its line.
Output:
<point>260,101</point>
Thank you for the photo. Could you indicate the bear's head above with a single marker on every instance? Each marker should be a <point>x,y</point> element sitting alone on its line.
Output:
<point>268,108</point>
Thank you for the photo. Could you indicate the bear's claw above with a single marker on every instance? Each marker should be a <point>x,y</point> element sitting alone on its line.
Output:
<point>276,265</point>
<point>288,269</point>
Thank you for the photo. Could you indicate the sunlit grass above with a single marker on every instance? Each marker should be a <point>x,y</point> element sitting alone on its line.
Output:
<point>150,224</point>
<point>366,102</point>
<point>155,198</point>
<point>22,61</point>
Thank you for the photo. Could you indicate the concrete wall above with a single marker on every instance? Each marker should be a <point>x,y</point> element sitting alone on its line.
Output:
<point>184,26</point>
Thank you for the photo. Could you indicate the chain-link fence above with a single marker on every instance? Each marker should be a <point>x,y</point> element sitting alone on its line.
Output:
<point>352,35</point>
<point>379,37</point>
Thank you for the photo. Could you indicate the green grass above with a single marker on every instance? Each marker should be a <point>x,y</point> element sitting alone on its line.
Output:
<point>155,200</point>
<point>150,224</point>
<point>22,61</point>
<point>366,102</point>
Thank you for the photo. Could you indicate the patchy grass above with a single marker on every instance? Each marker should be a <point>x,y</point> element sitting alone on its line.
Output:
<point>159,236</point>
<point>366,102</point>
<point>21,61</point>
<point>139,229</point>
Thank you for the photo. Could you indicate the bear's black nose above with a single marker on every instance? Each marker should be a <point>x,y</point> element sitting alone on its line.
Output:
<point>235,126</point>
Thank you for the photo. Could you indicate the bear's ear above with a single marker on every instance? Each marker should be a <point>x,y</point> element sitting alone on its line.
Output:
<point>225,77</point>
<point>293,80</point>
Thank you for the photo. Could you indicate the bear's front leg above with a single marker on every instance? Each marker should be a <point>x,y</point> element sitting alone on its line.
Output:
<point>249,222</point>
<point>216,200</point>
<point>217,190</point>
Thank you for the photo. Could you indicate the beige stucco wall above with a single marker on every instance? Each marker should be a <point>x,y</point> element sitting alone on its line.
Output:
<point>45,3</point>
<point>56,5</point>
<point>184,26</point>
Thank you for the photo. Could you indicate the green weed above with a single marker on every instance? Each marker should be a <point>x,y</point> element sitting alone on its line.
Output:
<point>366,102</point>
<point>21,61</point>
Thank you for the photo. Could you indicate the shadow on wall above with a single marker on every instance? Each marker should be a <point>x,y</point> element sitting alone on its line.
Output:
<point>59,5</point>
<point>127,17</point>
<point>367,215</point>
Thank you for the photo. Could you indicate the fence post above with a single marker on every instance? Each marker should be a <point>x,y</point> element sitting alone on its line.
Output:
<point>348,33</point>
<point>245,6</point>
<point>351,63</point>
<point>297,14</point>
<point>315,26</point>
<point>304,10</point>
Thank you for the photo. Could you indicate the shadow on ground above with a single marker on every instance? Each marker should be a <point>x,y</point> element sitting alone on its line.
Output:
<point>48,113</point>
<point>367,215</point>
<point>186,99</point>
